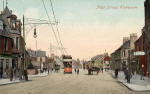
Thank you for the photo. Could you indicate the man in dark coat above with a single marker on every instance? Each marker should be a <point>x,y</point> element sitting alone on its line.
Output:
<point>77,71</point>
<point>128,75</point>
<point>116,73</point>
<point>142,73</point>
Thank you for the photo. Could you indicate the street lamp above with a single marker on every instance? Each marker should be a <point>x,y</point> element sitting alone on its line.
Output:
<point>35,36</point>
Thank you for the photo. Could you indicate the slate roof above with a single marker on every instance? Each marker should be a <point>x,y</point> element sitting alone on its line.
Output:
<point>124,46</point>
<point>4,32</point>
<point>6,14</point>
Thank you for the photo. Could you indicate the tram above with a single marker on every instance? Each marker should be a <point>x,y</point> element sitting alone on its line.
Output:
<point>67,62</point>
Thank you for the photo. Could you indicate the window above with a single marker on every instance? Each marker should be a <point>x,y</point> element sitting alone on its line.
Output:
<point>13,24</point>
<point>6,45</point>
<point>17,43</point>
<point>1,25</point>
<point>7,64</point>
<point>12,42</point>
<point>124,53</point>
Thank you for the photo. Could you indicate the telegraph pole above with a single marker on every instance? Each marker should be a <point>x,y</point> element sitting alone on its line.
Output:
<point>3,5</point>
<point>24,44</point>
<point>25,65</point>
<point>6,3</point>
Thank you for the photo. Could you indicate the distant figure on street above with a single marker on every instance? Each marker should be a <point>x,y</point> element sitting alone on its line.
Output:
<point>1,72</point>
<point>102,70</point>
<point>116,73</point>
<point>15,73</point>
<point>142,73</point>
<point>128,75</point>
<point>77,71</point>
<point>97,71</point>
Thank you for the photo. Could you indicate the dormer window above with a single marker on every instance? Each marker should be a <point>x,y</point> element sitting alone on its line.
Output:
<point>13,24</point>
<point>1,25</point>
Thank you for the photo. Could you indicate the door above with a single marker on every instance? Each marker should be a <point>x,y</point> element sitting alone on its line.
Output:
<point>1,68</point>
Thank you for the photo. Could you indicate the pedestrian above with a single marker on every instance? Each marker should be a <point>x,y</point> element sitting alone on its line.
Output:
<point>20,74</point>
<point>77,71</point>
<point>128,75</point>
<point>97,71</point>
<point>48,69</point>
<point>102,69</point>
<point>1,72</point>
<point>116,73</point>
<point>125,73</point>
<point>142,73</point>
<point>15,73</point>
<point>25,75</point>
<point>11,74</point>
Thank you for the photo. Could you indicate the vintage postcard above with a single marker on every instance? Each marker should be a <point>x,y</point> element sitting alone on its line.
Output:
<point>74,46</point>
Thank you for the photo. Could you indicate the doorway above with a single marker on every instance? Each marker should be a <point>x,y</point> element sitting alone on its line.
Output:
<point>1,68</point>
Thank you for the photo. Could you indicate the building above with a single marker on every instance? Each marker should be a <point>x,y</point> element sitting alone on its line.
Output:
<point>147,33</point>
<point>139,46</point>
<point>107,62</point>
<point>12,27</point>
<point>6,45</point>
<point>123,56</point>
<point>38,58</point>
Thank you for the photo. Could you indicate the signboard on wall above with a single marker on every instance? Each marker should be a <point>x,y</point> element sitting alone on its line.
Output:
<point>139,53</point>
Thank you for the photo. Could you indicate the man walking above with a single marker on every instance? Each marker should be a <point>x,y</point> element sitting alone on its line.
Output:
<point>75,70</point>
<point>78,71</point>
<point>128,75</point>
<point>116,73</point>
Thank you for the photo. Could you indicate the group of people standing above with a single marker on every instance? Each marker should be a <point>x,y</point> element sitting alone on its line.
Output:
<point>127,73</point>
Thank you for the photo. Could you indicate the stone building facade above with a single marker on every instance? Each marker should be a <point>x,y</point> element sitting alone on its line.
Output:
<point>123,55</point>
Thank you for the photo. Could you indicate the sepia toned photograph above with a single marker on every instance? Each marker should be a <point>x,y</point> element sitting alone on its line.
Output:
<point>74,46</point>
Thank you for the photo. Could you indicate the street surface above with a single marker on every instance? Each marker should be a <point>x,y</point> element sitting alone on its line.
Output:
<point>59,83</point>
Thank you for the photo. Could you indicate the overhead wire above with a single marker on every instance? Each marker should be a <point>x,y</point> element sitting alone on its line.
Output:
<point>50,23</point>
<point>57,27</point>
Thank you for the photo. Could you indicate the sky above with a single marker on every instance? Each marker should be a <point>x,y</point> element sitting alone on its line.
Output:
<point>87,27</point>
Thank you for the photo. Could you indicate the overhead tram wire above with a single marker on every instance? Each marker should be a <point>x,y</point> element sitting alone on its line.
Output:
<point>57,27</point>
<point>50,23</point>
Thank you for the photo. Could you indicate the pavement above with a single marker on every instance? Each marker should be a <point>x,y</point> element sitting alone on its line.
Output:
<point>136,84</point>
<point>30,77</point>
<point>59,83</point>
